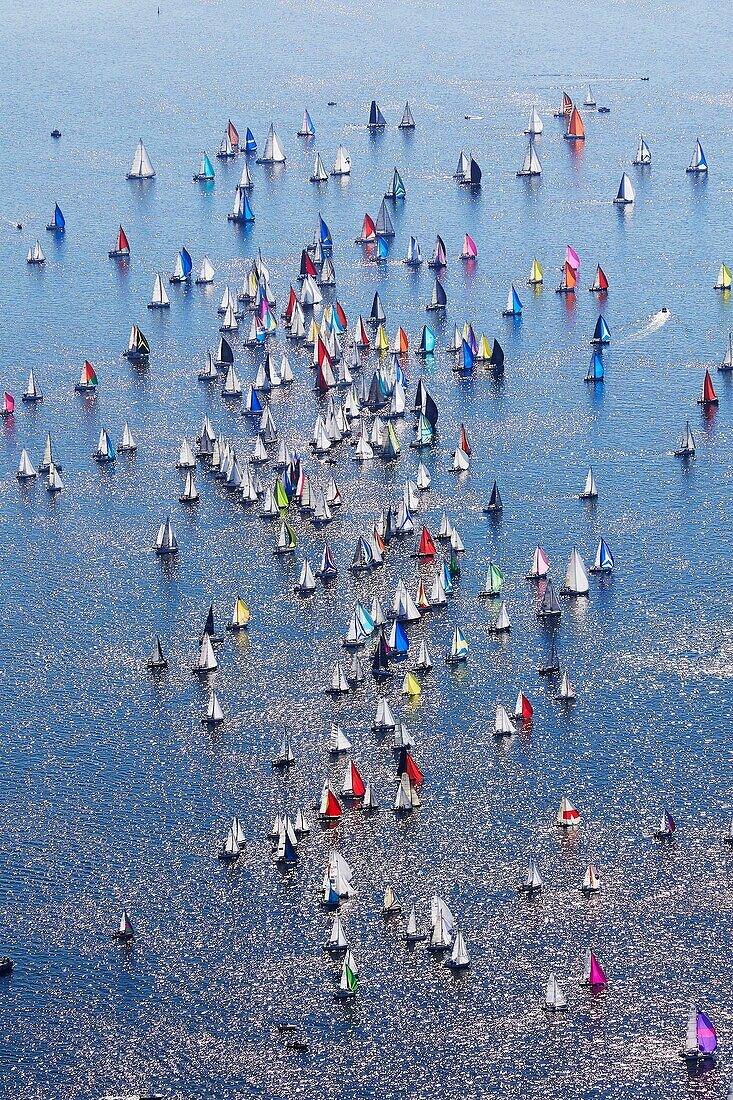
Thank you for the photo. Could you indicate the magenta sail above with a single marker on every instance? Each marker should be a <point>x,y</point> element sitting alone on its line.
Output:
<point>597,975</point>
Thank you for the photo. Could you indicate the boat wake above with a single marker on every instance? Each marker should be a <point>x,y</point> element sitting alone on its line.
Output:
<point>653,324</point>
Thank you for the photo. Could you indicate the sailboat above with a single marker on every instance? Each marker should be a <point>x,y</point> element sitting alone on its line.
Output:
<point>523,709</point>
<point>127,445</point>
<point>590,100</point>
<point>58,225</point>
<point>49,459</point>
<point>569,280</point>
<point>165,542</point>
<point>540,565</point>
<point>183,267</point>
<point>407,121</point>
<point>26,469</point>
<point>708,397</point>
<point>160,299</point>
<point>459,647</point>
<point>593,973</point>
<point>226,150</point>
<point>591,883</point>
<point>307,129</point>
<point>122,246</point>
<point>595,370</point>
<point>495,504</point>
<point>125,932</point>
<point>625,194</point>
<point>319,173</point>
<point>576,128</point>
<point>214,715</point>
<point>701,1040</point>
<point>473,177</point>
<point>32,393</point>
<point>698,164</point>
<point>601,333</point>
<point>157,660</point>
<point>566,693</point>
<point>141,168</point>
<point>88,381</point>
<point>643,152</point>
<point>493,582</point>
<point>555,999</point>
<point>439,298</point>
<point>552,665</point>
<point>600,283</point>
<point>469,250</point>
<point>337,941</point>
<point>667,827</point>
<point>285,757</point>
<point>342,163</point>
<point>459,959</point>
<point>531,165</point>
<point>396,188</point>
<point>390,906</point>
<point>138,348</point>
<point>686,446</point>
<point>536,277</point>
<point>590,492</point>
<point>724,280</point>
<point>501,624</point>
<point>273,152</point>
<point>534,126</point>
<point>549,607</point>
<point>105,450</point>
<point>230,850</point>
<point>412,934</point>
<point>206,171</point>
<point>54,483</point>
<point>603,562</point>
<point>567,816</point>
<point>206,272</point>
<point>566,107</point>
<point>349,981</point>
<point>513,304</point>
<point>377,120</point>
<point>35,254</point>
<point>190,493</point>
<point>726,363</point>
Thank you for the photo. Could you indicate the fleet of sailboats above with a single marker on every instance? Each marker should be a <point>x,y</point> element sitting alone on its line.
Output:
<point>368,412</point>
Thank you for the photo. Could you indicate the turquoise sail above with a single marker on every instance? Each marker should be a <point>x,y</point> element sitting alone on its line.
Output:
<point>208,168</point>
<point>427,342</point>
<point>382,248</point>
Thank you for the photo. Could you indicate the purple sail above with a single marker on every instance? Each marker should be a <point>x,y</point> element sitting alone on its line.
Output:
<point>707,1040</point>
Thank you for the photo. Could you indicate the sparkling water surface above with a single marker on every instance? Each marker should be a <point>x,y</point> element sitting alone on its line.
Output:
<point>112,793</point>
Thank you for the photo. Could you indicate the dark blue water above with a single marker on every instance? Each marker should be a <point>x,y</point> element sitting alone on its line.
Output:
<point>112,794</point>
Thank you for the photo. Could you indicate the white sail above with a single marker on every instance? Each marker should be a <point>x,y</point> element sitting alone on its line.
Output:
<point>273,153</point>
<point>503,725</point>
<point>576,577</point>
<point>531,165</point>
<point>459,955</point>
<point>160,297</point>
<point>319,173</point>
<point>625,194</point>
<point>590,492</point>
<point>207,661</point>
<point>206,273</point>
<point>26,469</point>
<point>534,126</point>
<point>555,999</point>
<point>342,164</point>
<point>142,169</point>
